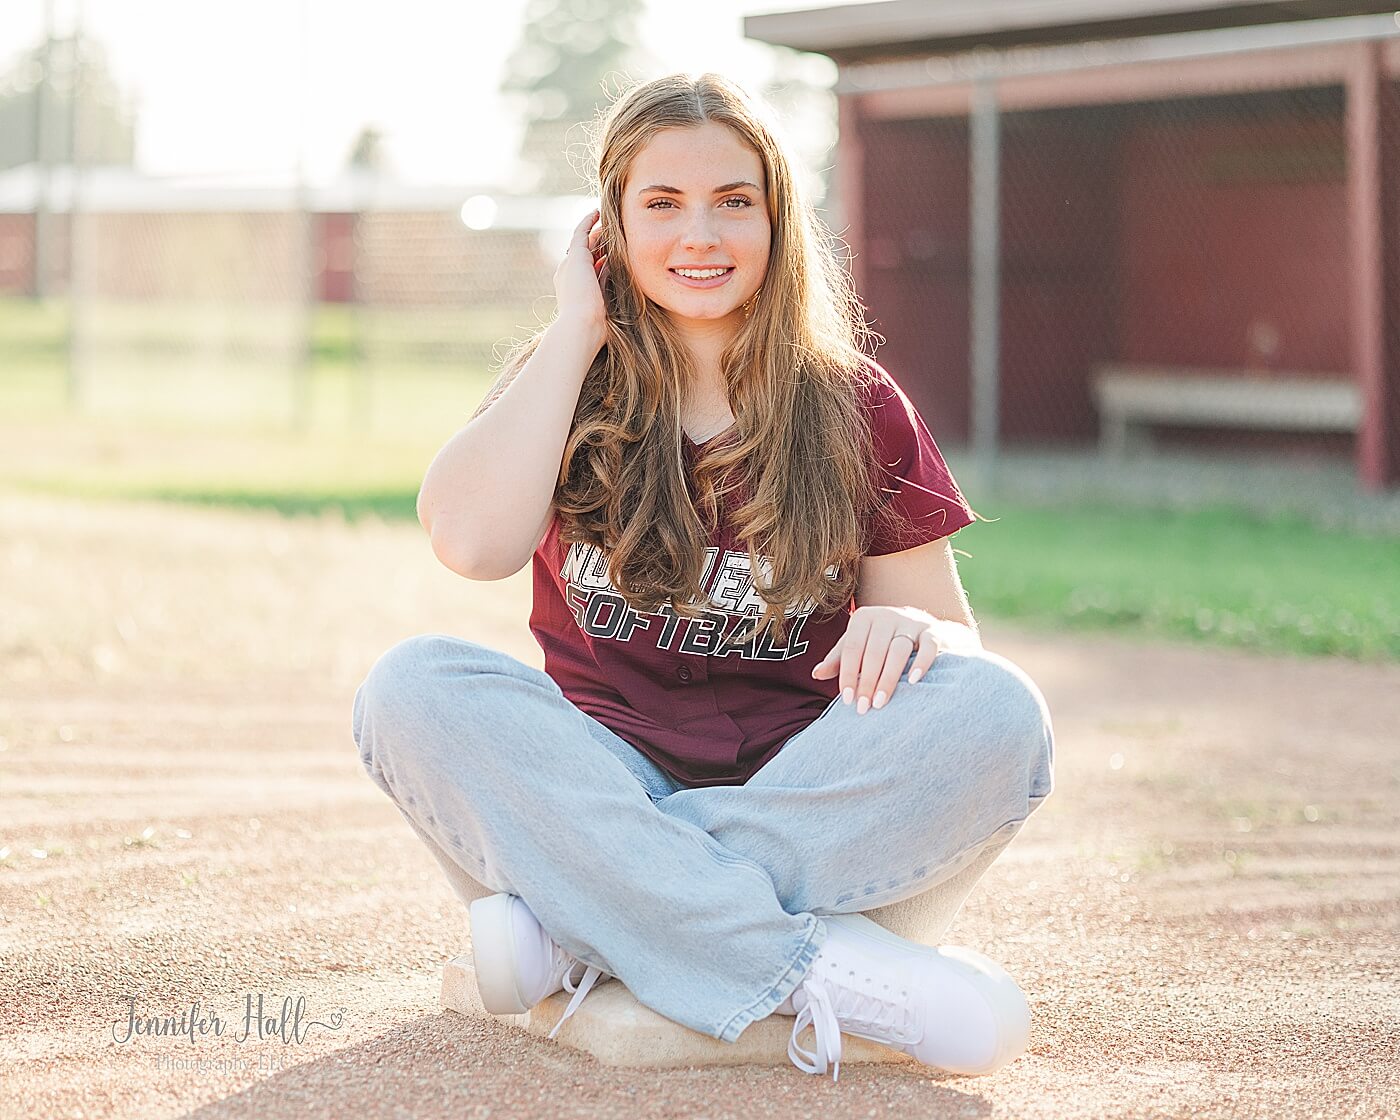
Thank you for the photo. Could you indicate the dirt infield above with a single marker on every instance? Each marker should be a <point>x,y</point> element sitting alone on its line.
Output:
<point>1204,916</point>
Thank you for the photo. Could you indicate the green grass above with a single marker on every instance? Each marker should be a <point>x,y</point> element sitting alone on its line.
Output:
<point>1210,575</point>
<point>387,504</point>
<point>1215,576</point>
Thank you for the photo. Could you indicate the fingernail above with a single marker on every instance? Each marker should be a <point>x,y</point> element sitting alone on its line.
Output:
<point>915,675</point>
<point>847,695</point>
<point>863,706</point>
<point>880,699</point>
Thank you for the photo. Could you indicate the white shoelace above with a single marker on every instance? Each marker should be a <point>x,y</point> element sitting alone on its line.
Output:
<point>590,977</point>
<point>855,1012</point>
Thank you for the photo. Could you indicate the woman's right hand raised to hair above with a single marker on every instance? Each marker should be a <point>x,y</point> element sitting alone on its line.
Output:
<point>579,279</point>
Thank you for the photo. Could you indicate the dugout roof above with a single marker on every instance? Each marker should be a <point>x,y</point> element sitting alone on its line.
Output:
<point>850,32</point>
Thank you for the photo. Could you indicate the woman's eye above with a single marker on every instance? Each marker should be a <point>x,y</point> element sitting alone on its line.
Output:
<point>654,204</point>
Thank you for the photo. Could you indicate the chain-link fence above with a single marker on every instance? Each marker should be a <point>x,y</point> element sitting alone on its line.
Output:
<point>127,297</point>
<point>358,302</point>
<point>188,313</point>
<point>1149,251</point>
<point>270,306</point>
<point>1103,258</point>
<point>361,302</point>
<point>444,288</point>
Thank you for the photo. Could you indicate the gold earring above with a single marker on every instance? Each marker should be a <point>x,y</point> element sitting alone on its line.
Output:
<point>748,305</point>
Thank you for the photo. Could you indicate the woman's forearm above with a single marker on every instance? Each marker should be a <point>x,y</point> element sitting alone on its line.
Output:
<point>489,488</point>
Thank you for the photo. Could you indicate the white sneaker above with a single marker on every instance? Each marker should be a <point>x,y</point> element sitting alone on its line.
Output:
<point>949,1007</point>
<point>517,963</point>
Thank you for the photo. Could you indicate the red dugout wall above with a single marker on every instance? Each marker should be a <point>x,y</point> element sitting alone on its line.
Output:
<point>1206,232</point>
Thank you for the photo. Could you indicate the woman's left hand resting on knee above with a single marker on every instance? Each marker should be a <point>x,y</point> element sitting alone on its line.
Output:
<point>871,655</point>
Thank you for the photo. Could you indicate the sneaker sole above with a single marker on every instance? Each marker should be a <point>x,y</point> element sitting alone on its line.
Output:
<point>493,955</point>
<point>1008,1001</point>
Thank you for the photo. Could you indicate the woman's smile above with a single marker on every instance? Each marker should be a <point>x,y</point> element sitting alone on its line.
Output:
<point>702,278</point>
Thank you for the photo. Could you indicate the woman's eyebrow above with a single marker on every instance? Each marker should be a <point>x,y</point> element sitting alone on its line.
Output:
<point>718,190</point>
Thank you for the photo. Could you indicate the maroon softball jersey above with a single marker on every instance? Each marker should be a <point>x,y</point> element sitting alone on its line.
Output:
<point>710,718</point>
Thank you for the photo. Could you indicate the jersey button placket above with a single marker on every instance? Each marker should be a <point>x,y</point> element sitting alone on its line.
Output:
<point>684,673</point>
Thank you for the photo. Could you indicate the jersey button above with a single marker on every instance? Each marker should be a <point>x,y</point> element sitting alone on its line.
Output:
<point>684,672</point>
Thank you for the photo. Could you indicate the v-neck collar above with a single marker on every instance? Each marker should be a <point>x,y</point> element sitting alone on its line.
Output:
<point>711,439</point>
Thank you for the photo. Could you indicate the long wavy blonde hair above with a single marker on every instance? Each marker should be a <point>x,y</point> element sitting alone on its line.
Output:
<point>799,461</point>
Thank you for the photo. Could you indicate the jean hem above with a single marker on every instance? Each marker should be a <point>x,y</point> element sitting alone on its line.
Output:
<point>791,977</point>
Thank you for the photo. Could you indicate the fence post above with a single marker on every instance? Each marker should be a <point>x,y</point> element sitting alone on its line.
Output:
<point>1373,163</point>
<point>985,193</point>
<point>307,229</point>
<point>78,261</point>
<point>43,165</point>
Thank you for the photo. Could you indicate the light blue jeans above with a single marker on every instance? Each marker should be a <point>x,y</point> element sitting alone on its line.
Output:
<point>705,902</point>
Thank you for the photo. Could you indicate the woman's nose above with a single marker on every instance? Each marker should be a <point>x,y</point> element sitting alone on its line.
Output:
<point>701,231</point>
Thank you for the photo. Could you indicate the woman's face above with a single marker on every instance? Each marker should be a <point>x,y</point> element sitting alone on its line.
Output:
<point>694,199</point>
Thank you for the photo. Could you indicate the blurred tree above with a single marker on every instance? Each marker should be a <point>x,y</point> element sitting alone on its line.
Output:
<point>107,122</point>
<point>367,152</point>
<point>559,76</point>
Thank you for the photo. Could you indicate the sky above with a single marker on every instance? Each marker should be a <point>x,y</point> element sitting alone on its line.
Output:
<point>218,89</point>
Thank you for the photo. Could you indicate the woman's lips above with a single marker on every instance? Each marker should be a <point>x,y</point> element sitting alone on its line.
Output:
<point>689,282</point>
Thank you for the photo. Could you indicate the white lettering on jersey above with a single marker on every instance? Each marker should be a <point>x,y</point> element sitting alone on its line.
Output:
<point>601,611</point>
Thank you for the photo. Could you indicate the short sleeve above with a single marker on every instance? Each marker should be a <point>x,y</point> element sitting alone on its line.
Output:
<point>920,500</point>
